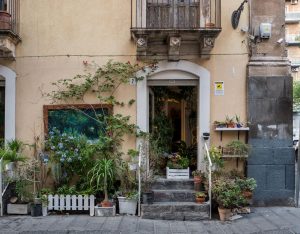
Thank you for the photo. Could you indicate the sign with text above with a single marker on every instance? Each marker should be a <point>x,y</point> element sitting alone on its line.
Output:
<point>219,88</point>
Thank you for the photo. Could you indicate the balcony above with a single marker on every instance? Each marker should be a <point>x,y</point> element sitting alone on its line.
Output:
<point>292,40</point>
<point>292,17</point>
<point>9,28</point>
<point>175,29</point>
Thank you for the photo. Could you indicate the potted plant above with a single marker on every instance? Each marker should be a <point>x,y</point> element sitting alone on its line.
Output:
<point>247,187</point>
<point>178,167</point>
<point>229,122</point>
<point>133,164</point>
<point>44,198</point>
<point>200,197</point>
<point>198,175</point>
<point>228,196</point>
<point>147,193</point>
<point>216,157</point>
<point>238,121</point>
<point>220,124</point>
<point>236,147</point>
<point>11,154</point>
<point>101,177</point>
<point>128,203</point>
<point>128,195</point>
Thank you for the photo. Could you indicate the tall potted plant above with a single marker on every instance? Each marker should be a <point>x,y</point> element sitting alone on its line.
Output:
<point>129,196</point>
<point>228,195</point>
<point>11,154</point>
<point>101,177</point>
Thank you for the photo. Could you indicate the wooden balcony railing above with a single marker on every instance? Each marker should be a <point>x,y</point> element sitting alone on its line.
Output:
<point>175,14</point>
<point>9,15</point>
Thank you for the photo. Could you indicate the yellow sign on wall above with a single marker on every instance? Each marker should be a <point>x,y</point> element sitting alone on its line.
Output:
<point>219,88</point>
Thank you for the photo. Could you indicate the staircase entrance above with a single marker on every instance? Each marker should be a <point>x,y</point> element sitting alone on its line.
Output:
<point>175,75</point>
<point>173,104</point>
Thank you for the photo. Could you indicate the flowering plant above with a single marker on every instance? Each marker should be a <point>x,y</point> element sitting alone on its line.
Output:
<point>175,161</point>
<point>73,152</point>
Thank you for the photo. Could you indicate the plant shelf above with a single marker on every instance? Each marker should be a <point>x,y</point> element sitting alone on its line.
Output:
<point>238,130</point>
<point>234,156</point>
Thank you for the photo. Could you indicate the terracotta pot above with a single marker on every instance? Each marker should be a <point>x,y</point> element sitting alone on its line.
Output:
<point>224,214</point>
<point>197,179</point>
<point>247,194</point>
<point>209,25</point>
<point>5,20</point>
<point>230,125</point>
<point>200,200</point>
<point>106,204</point>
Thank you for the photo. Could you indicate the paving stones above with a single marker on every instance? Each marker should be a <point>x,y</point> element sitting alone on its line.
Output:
<point>277,220</point>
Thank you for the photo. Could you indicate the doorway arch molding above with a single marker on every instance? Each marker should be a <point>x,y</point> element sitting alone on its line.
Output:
<point>183,70</point>
<point>10,102</point>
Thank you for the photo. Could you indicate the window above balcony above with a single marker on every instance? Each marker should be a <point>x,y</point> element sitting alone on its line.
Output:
<point>175,29</point>
<point>9,28</point>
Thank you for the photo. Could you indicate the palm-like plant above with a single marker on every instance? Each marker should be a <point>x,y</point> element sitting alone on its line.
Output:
<point>12,151</point>
<point>101,176</point>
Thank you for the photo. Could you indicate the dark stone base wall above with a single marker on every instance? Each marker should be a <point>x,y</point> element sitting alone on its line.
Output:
<point>272,159</point>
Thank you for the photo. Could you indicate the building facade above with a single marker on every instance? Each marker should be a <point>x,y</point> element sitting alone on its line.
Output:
<point>196,46</point>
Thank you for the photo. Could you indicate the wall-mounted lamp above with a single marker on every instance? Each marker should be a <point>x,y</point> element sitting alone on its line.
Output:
<point>205,136</point>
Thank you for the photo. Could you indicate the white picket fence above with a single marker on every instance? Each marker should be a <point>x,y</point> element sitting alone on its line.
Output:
<point>72,202</point>
<point>178,173</point>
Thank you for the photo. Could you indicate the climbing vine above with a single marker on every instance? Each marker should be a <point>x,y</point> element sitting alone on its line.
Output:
<point>103,84</point>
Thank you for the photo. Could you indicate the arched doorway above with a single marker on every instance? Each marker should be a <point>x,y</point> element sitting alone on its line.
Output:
<point>9,82</point>
<point>178,73</point>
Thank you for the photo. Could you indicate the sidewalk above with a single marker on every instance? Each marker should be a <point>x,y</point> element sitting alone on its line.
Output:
<point>263,220</point>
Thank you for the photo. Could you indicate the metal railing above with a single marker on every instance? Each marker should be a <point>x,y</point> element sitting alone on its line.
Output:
<point>4,182</point>
<point>292,17</point>
<point>209,177</point>
<point>1,187</point>
<point>11,21</point>
<point>175,14</point>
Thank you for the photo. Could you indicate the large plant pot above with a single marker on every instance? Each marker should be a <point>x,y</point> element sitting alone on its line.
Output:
<point>148,197</point>
<point>45,210</point>
<point>178,173</point>
<point>10,166</point>
<point>200,200</point>
<point>105,211</point>
<point>18,209</point>
<point>224,214</point>
<point>127,206</point>
<point>247,194</point>
<point>36,210</point>
<point>5,20</point>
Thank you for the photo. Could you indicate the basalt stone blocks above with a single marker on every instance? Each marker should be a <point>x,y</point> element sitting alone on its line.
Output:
<point>272,157</point>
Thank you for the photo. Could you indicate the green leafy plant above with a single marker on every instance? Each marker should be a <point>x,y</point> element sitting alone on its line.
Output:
<point>200,194</point>
<point>228,194</point>
<point>198,173</point>
<point>248,184</point>
<point>175,161</point>
<point>101,176</point>
<point>12,152</point>
<point>237,147</point>
<point>216,157</point>
<point>133,154</point>
<point>66,190</point>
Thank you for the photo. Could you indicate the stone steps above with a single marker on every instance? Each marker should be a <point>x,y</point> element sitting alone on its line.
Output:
<point>165,184</point>
<point>174,195</point>
<point>174,200</point>
<point>176,211</point>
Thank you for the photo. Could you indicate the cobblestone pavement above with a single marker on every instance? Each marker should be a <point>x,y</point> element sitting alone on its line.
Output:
<point>277,220</point>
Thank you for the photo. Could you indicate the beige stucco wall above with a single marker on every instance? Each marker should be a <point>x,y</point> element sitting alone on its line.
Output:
<point>57,36</point>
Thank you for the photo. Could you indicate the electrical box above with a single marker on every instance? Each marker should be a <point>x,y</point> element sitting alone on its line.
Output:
<point>265,30</point>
